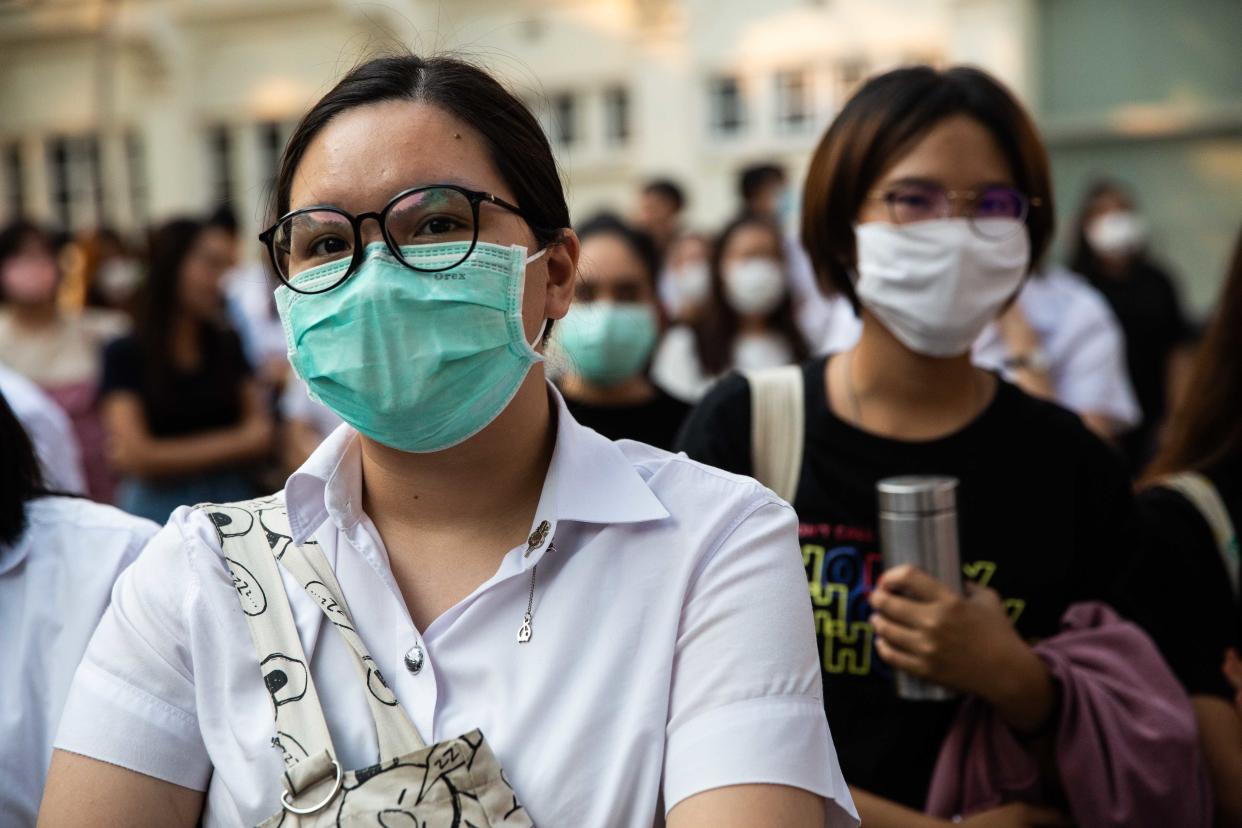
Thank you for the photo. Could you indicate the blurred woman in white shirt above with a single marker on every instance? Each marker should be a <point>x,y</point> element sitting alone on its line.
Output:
<point>59,556</point>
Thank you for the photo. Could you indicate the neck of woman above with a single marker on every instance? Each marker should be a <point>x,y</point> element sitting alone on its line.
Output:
<point>632,391</point>
<point>41,315</point>
<point>885,388</point>
<point>185,344</point>
<point>753,324</point>
<point>495,477</point>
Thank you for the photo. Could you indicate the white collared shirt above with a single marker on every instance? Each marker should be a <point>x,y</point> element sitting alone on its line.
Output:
<point>54,585</point>
<point>673,648</point>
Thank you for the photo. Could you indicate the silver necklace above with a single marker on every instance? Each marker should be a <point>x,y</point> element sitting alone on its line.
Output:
<point>535,541</point>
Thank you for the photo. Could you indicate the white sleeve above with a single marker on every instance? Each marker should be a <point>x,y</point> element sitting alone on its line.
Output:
<point>132,702</point>
<point>747,702</point>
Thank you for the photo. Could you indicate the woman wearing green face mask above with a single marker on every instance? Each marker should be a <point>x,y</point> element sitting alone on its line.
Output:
<point>464,607</point>
<point>609,335</point>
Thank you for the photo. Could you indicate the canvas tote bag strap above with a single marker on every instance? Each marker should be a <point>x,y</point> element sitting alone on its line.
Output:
<point>1200,491</point>
<point>777,427</point>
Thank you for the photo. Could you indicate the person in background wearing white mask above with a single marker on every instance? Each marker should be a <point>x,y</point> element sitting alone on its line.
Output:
<point>748,323</point>
<point>1111,251</point>
<point>927,204</point>
<point>686,281</point>
<point>609,335</point>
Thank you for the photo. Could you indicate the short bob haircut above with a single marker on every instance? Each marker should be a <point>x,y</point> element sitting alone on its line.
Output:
<point>883,121</point>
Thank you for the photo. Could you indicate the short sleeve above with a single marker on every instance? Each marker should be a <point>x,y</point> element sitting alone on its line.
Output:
<point>1179,592</point>
<point>132,701</point>
<point>746,703</point>
<point>718,430</point>
<point>122,367</point>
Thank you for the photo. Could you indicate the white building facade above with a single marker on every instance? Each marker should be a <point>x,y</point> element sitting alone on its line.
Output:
<point>125,112</point>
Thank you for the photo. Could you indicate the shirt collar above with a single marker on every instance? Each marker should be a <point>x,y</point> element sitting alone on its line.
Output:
<point>589,480</point>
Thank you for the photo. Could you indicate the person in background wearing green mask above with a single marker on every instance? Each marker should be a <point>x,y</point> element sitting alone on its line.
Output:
<point>609,335</point>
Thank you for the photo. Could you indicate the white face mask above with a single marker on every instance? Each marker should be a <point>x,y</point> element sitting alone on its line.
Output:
<point>935,285</point>
<point>754,287</point>
<point>692,282</point>
<point>1117,234</point>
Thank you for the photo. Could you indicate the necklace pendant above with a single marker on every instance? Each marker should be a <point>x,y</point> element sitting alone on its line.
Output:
<point>525,632</point>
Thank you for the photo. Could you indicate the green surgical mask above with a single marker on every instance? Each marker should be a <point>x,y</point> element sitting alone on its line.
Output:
<point>608,342</point>
<point>416,361</point>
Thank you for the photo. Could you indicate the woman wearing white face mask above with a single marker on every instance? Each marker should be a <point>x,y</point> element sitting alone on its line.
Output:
<point>747,323</point>
<point>465,607</point>
<point>686,282</point>
<point>1111,251</point>
<point>926,205</point>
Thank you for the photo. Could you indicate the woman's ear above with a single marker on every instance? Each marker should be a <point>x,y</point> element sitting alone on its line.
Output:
<point>562,265</point>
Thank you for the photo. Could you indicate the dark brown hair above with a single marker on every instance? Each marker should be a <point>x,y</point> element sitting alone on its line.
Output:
<point>514,140</point>
<point>158,309</point>
<point>21,478</point>
<point>884,120</point>
<point>716,328</point>
<point>1205,430</point>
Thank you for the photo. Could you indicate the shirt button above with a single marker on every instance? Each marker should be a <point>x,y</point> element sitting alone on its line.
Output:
<point>414,659</point>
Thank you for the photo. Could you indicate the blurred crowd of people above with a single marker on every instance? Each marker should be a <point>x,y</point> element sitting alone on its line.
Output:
<point>167,358</point>
<point>153,373</point>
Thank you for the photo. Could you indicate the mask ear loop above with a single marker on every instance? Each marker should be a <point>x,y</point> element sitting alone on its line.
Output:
<point>544,326</point>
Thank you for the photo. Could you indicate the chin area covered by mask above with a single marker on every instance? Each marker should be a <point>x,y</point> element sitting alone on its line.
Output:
<point>608,342</point>
<point>30,280</point>
<point>935,285</point>
<point>417,361</point>
<point>755,286</point>
<point>1119,233</point>
<point>692,282</point>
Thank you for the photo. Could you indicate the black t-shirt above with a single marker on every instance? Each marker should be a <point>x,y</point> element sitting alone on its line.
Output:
<point>1147,307</point>
<point>181,403</point>
<point>654,421</point>
<point>1197,615</point>
<point>1040,504</point>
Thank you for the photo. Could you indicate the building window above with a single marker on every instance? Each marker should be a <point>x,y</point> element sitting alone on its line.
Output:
<point>135,166</point>
<point>75,179</point>
<point>564,119</point>
<point>271,144</point>
<point>220,160</point>
<point>726,105</point>
<point>617,115</point>
<point>793,100</point>
<point>15,192</point>
<point>852,73</point>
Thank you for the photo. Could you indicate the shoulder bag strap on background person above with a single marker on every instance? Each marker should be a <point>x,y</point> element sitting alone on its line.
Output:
<point>1200,491</point>
<point>777,428</point>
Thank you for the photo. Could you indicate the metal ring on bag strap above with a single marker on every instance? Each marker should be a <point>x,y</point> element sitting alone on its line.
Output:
<point>336,787</point>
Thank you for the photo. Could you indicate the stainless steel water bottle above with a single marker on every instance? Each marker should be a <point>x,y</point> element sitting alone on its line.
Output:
<point>918,525</point>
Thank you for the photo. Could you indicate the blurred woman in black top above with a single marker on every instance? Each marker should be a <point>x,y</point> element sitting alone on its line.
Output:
<point>184,416</point>
<point>1111,251</point>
